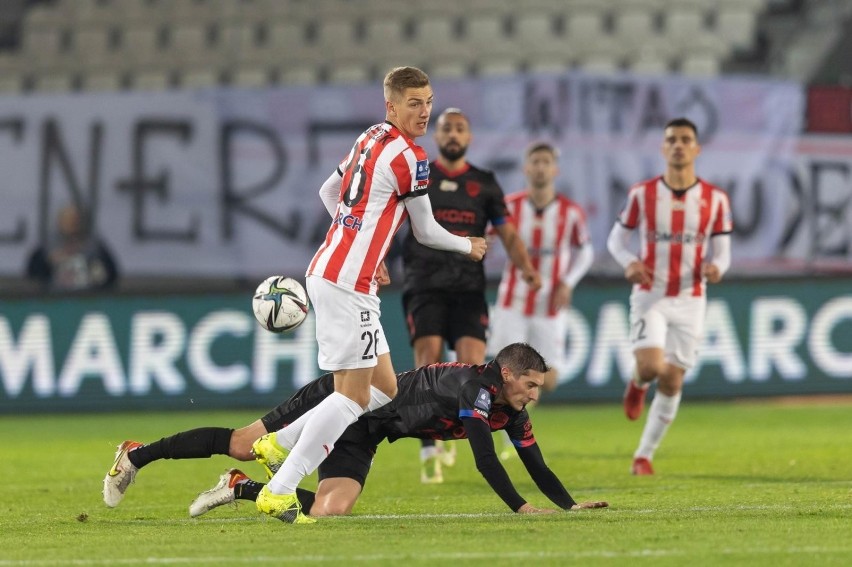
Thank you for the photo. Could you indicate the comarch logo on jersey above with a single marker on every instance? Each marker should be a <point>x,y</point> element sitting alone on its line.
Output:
<point>348,221</point>
<point>675,237</point>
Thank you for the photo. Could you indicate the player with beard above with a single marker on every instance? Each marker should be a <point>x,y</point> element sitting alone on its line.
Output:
<point>444,295</point>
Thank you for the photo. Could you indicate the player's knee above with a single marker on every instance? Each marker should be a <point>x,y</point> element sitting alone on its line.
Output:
<point>331,507</point>
<point>390,391</point>
<point>240,444</point>
<point>649,369</point>
<point>671,381</point>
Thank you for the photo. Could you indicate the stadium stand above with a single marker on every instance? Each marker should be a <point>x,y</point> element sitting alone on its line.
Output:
<point>64,45</point>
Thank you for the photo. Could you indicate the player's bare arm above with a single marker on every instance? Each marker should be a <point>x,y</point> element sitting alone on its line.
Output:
<point>637,272</point>
<point>517,252</point>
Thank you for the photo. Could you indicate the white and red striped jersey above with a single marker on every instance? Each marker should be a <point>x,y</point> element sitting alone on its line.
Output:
<point>383,168</point>
<point>674,231</point>
<point>549,234</point>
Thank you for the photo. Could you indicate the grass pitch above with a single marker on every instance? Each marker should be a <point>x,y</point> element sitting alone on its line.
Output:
<point>737,484</point>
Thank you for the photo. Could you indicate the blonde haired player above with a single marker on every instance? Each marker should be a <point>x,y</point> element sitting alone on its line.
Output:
<point>382,180</point>
<point>678,218</point>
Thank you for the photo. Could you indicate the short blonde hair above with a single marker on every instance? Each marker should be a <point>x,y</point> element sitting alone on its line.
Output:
<point>400,78</point>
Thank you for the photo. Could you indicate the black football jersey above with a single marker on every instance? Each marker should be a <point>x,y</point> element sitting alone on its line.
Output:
<point>431,403</point>
<point>463,202</point>
<point>433,400</point>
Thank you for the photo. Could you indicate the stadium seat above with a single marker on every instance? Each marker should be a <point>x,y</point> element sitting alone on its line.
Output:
<point>94,13</point>
<point>10,63</point>
<point>102,81</point>
<point>585,27</point>
<point>12,69</point>
<point>600,63</point>
<point>300,75</point>
<point>139,47</point>
<point>251,77</point>
<point>199,78</point>
<point>650,58</point>
<point>684,21</point>
<point>736,25</point>
<point>379,33</point>
<point>42,45</point>
<point>47,15</point>
<point>700,65</point>
<point>533,29</point>
<point>635,19</point>
<point>92,43</point>
<point>151,80</point>
<point>54,83</point>
<point>485,32</point>
<point>348,72</point>
<point>437,36</point>
<point>456,69</point>
<point>335,36</point>
<point>286,41</point>
<point>189,44</point>
<point>549,64</point>
<point>133,12</point>
<point>497,67</point>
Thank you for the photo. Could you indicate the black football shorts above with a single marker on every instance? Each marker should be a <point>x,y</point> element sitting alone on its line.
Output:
<point>449,315</point>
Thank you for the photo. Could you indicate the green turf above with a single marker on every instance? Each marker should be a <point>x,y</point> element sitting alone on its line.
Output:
<point>737,484</point>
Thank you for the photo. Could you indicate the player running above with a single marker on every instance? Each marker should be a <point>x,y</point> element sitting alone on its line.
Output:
<point>678,217</point>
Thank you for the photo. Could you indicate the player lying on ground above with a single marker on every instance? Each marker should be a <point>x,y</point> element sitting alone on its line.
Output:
<point>441,401</point>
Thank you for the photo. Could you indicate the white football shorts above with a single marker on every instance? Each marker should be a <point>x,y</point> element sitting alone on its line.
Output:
<point>674,324</point>
<point>349,333</point>
<point>545,334</point>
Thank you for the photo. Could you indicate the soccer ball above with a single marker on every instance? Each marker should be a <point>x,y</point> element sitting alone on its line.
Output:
<point>280,304</point>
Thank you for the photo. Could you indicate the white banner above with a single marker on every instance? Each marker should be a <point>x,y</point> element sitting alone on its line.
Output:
<point>224,182</point>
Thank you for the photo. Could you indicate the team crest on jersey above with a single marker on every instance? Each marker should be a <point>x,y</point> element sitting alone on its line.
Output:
<point>365,316</point>
<point>473,188</point>
<point>498,420</point>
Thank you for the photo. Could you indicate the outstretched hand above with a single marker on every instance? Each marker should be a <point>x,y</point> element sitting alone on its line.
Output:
<point>589,505</point>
